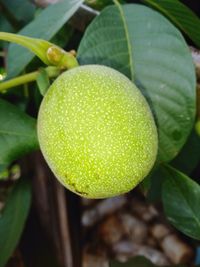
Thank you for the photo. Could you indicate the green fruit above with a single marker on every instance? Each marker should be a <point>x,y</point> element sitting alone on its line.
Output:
<point>96,132</point>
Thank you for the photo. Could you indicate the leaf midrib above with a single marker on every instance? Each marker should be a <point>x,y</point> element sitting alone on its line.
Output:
<point>127,37</point>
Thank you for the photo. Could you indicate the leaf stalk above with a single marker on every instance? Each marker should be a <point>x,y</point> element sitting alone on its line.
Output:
<point>27,78</point>
<point>49,53</point>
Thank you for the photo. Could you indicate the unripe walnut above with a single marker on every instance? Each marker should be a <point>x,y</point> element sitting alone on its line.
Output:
<point>96,132</point>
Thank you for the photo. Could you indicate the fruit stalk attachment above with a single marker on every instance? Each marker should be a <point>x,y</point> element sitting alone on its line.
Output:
<point>49,53</point>
<point>27,78</point>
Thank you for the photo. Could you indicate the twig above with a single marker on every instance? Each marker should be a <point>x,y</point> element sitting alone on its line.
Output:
<point>27,78</point>
<point>52,208</point>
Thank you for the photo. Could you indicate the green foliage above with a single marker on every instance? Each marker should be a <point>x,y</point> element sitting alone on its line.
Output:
<point>17,133</point>
<point>21,10</point>
<point>13,218</point>
<point>43,81</point>
<point>147,48</point>
<point>183,162</point>
<point>2,168</point>
<point>189,157</point>
<point>5,25</point>
<point>181,198</point>
<point>44,26</point>
<point>180,15</point>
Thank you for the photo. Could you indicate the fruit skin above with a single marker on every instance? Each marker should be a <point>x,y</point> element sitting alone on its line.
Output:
<point>96,132</point>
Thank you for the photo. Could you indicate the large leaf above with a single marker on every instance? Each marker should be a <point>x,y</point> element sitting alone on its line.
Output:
<point>180,15</point>
<point>156,180</point>
<point>22,10</point>
<point>181,199</point>
<point>13,218</point>
<point>189,157</point>
<point>186,161</point>
<point>137,262</point>
<point>4,26</point>
<point>146,47</point>
<point>44,26</point>
<point>17,133</point>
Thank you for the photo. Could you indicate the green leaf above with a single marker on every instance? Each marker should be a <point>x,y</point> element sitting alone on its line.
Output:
<point>4,26</point>
<point>44,26</point>
<point>13,218</point>
<point>17,133</point>
<point>183,162</point>
<point>157,179</point>
<point>4,174</point>
<point>147,48</point>
<point>43,81</point>
<point>22,10</point>
<point>181,198</point>
<point>189,157</point>
<point>2,167</point>
<point>137,262</point>
<point>180,15</point>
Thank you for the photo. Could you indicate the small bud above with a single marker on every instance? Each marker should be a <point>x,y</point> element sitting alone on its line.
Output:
<point>54,55</point>
<point>73,52</point>
<point>61,58</point>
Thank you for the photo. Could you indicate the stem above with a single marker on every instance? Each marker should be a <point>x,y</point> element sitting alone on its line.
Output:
<point>49,53</point>
<point>37,46</point>
<point>18,81</point>
<point>27,78</point>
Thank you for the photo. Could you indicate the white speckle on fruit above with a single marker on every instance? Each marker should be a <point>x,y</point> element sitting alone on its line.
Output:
<point>96,132</point>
